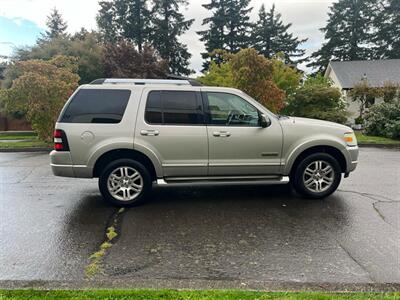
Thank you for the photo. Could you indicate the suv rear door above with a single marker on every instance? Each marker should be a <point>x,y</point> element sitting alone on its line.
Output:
<point>238,145</point>
<point>171,125</point>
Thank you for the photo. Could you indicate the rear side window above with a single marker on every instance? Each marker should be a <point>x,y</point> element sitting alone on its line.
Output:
<point>96,106</point>
<point>174,108</point>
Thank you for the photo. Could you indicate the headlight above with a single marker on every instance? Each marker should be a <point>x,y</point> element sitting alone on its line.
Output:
<point>350,139</point>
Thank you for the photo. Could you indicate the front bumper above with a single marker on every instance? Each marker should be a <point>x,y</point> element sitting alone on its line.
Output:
<point>353,158</point>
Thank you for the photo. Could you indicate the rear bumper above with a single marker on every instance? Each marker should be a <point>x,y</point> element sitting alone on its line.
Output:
<point>61,165</point>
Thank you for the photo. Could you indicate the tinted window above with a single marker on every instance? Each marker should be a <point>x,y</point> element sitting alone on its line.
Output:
<point>173,107</point>
<point>230,110</point>
<point>96,106</point>
<point>153,108</point>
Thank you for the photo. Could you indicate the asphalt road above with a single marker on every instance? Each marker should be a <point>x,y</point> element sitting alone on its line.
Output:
<point>50,226</point>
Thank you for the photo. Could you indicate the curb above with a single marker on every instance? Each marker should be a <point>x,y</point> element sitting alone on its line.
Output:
<point>382,146</point>
<point>18,150</point>
<point>198,284</point>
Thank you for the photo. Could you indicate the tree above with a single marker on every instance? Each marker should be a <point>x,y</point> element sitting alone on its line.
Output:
<point>317,100</point>
<point>84,46</point>
<point>122,60</point>
<point>168,25</point>
<point>57,27</point>
<point>271,37</point>
<point>238,25</point>
<point>125,19</point>
<point>3,67</point>
<point>348,34</point>
<point>254,74</point>
<point>41,91</point>
<point>214,36</point>
<point>218,75</point>
<point>285,77</point>
<point>387,35</point>
<point>229,27</point>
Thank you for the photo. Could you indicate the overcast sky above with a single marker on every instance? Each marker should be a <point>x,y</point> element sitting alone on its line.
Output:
<point>21,21</point>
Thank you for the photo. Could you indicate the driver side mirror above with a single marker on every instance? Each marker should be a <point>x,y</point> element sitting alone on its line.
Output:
<point>265,121</point>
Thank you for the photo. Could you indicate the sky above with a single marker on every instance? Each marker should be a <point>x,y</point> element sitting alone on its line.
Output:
<point>22,21</point>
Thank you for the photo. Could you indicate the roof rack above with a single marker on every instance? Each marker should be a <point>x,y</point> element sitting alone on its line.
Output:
<point>172,80</point>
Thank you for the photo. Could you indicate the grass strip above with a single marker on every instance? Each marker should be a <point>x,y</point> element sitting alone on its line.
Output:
<point>24,144</point>
<point>188,295</point>
<point>366,139</point>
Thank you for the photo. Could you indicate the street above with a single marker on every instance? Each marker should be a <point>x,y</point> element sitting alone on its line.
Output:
<point>50,226</point>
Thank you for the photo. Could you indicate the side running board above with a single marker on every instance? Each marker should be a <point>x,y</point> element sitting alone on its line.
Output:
<point>224,180</point>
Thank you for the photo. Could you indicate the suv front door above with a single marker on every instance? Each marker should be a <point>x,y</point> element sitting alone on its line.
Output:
<point>238,145</point>
<point>171,125</point>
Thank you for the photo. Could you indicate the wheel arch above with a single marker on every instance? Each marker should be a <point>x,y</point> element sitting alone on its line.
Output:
<point>115,154</point>
<point>331,150</point>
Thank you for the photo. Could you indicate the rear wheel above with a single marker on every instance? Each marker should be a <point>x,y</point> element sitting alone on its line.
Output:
<point>125,182</point>
<point>317,176</point>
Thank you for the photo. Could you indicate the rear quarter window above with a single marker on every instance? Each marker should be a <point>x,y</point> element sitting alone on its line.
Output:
<point>96,106</point>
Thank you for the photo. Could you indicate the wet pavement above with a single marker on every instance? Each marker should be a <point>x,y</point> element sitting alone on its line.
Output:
<point>49,227</point>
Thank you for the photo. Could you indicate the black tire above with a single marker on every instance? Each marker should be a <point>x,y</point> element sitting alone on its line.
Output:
<point>132,164</point>
<point>298,181</point>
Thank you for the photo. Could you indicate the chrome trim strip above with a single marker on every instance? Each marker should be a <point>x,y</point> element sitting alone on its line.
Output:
<point>243,164</point>
<point>68,166</point>
<point>183,165</point>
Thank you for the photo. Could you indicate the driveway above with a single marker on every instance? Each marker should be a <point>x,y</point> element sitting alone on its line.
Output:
<point>208,236</point>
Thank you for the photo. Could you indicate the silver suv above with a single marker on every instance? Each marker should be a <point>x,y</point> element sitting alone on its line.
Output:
<point>131,133</point>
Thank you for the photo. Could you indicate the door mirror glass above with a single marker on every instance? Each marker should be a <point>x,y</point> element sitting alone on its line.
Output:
<point>265,121</point>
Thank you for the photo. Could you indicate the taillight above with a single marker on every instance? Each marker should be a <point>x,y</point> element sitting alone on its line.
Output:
<point>60,141</point>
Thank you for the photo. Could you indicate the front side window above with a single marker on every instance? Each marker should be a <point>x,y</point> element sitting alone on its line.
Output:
<point>230,110</point>
<point>173,108</point>
<point>96,106</point>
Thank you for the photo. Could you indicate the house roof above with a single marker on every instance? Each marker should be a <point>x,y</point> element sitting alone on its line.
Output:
<point>377,72</point>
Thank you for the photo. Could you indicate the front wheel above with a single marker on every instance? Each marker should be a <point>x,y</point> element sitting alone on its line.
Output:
<point>125,182</point>
<point>317,176</point>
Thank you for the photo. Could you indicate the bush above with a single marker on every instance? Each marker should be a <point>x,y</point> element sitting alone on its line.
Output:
<point>384,120</point>
<point>317,102</point>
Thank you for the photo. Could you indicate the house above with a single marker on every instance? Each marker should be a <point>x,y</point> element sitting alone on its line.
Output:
<point>346,74</point>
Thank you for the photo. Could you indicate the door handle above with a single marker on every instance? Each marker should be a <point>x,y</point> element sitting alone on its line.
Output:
<point>221,134</point>
<point>150,132</point>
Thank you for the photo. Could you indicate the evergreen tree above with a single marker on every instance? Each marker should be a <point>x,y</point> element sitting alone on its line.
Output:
<point>271,37</point>
<point>387,22</point>
<point>348,34</point>
<point>214,37</point>
<point>168,25</point>
<point>125,19</point>
<point>229,27</point>
<point>57,27</point>
<point>238,25</point>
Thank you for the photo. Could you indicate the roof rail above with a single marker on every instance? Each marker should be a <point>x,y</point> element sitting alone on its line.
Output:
<point>192,81</point>
<point>179,82</point>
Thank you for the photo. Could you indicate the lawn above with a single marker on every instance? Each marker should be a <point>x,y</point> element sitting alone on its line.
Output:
<point>22,145</point>
<point>189,295</point>
<point>366,139</point>
<point>18,136</point>
<point>21,140</point>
